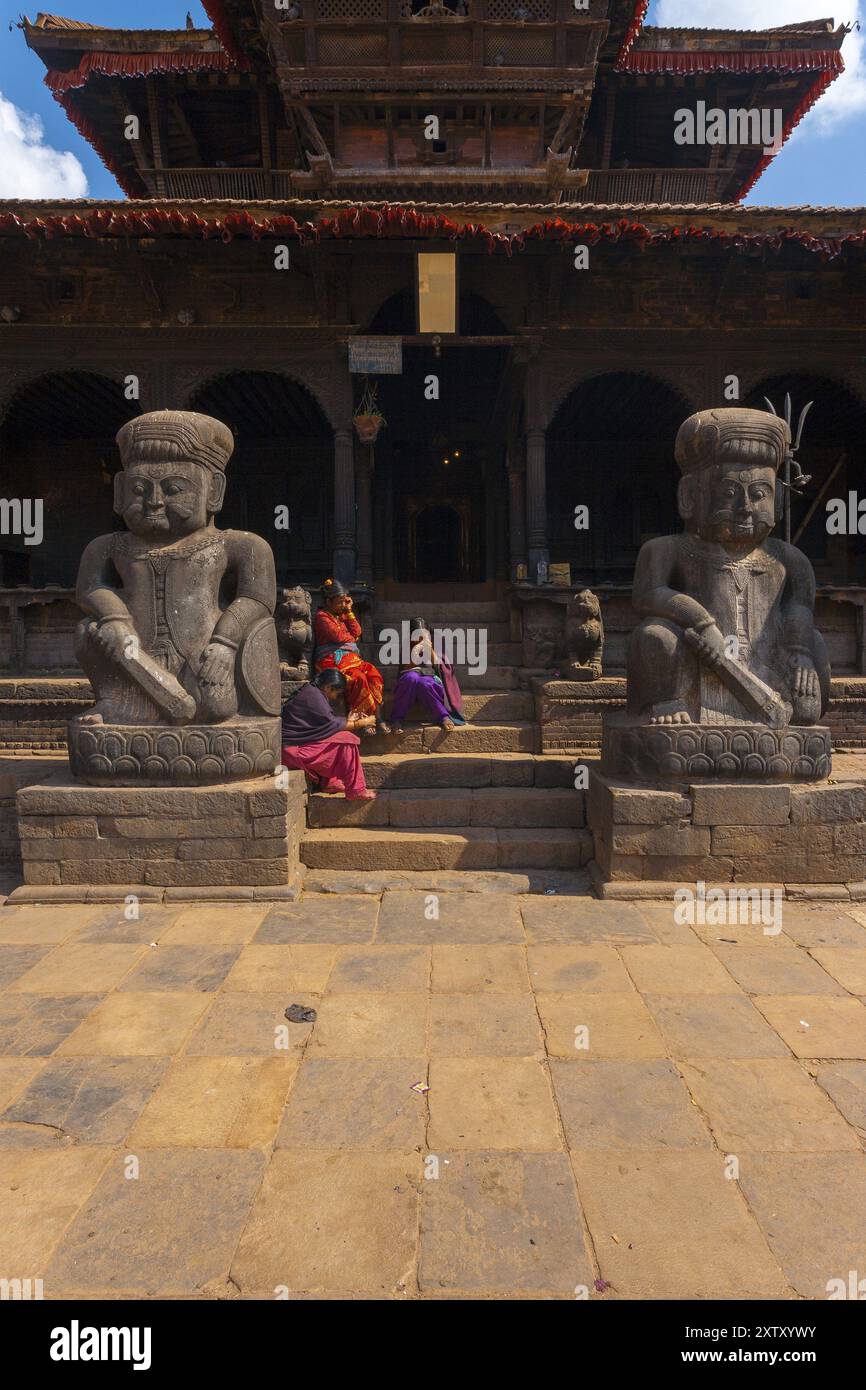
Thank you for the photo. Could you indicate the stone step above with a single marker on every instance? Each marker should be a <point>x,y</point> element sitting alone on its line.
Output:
<point>497,678</point>
<point>488,707</point>
<point>467,770</point>
<point>554,882</point>
<point>471,848</point>
<point>498,629</point>
<point>440,612</point>
<point>518,737</point>
<point>453,808</point>
<point>495,654</point>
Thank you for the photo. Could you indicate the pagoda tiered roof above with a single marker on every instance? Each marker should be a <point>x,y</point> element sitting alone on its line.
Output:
<point>330,98</point>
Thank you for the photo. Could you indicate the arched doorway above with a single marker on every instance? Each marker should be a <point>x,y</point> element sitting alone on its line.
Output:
<point>439,540</point>
<point>57,444</point>
<point>833,453</point>
<point>440,484</point>
<point>610,448</point>
<point>284,457</point>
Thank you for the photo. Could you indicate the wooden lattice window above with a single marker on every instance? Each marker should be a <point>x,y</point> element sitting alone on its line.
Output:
<point>511,9</point>
<point>410,9</point>
<point>443,46</point>
<point>346,50</point>
<point>351,9</point>
<point>524,48</point>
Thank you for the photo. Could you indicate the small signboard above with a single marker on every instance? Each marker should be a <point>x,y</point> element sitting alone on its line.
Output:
<point>376,356</point>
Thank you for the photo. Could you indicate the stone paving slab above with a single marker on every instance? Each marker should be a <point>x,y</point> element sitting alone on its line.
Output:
<point>16,961</point>
<point>504,1223</point>
<point>766,1104</point>
<point>786,971</point>
<point>331,1220</point>
<point>672,1225</point>
<point>627,1105</point>
<point>813,1208</point>
<point>845,1084</point>
<point>161,1231</point>
<point>80,1100</point>
<point>496,1095</point>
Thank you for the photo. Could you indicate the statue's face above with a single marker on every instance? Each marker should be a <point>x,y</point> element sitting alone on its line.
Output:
<point>739,504</point>
<point>163,501</point>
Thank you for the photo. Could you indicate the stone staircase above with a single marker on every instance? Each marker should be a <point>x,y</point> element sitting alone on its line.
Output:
<point>479,798</point>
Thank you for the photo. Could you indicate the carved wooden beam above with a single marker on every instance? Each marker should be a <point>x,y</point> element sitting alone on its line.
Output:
<point>124,110</point>
<point>154,111</point>
<point>180,119</point>
<point>570,117</point>
<point>312,130</point>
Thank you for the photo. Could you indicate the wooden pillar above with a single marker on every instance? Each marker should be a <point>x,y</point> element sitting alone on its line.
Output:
<point>157,134</point>
<point>516,510</point>
<point>344,506</point>
<point>609,117</point>
<point>536,470</point>
<point>310,47</point>
<point>364,492</point>
<point>157,385</point>
<point>388,513</point>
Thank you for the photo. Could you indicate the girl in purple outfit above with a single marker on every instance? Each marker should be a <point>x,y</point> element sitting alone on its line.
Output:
<point>429,680</point>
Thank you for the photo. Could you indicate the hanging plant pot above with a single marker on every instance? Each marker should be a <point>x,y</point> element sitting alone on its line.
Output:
<point>368,418</point>
<point>368,425</point>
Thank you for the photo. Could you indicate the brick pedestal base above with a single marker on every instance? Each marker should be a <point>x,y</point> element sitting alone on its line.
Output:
<point>242,834</point>
<point>741,832</point>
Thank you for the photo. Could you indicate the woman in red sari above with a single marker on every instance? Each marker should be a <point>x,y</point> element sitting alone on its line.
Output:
<point>337,631</point>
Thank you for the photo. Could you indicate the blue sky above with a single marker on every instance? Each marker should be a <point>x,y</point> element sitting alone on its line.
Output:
<point>41,155</point>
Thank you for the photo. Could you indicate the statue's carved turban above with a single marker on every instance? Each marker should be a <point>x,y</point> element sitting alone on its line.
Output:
<point>732,433</point>
<point>181,436</point>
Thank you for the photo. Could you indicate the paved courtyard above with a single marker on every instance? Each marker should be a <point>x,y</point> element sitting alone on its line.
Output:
<point>520,1097</point>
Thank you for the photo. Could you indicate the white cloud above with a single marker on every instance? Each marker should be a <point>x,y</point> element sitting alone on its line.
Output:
<point>28,167</point>
<point>846,96</point>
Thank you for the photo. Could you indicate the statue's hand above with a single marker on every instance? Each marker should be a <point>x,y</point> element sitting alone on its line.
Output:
<point>708,644</point>
<point>217,665</point>
<point>111,638</point>
<point>804,675</point>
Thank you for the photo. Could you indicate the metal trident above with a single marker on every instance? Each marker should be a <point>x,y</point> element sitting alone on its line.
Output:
<point>795,480</point>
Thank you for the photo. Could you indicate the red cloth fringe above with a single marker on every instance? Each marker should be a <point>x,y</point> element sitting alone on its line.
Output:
<point>131,183</point>
<point>62,85</point>
<point>395,221</point>
<point>634,29</point>
<point>216,13</point>
<point>135,65</point>
<point>818,88</point>
<point>786,60</point>
<point>827,63</point>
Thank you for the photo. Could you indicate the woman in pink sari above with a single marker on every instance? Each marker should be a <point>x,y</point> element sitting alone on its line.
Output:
<point>320,742</point>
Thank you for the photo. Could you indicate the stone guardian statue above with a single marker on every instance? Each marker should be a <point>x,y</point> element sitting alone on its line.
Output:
<point>179,630</point>
<point>726,646</point>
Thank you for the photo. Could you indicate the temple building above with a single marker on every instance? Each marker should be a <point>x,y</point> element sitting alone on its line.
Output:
<point>451,272</point>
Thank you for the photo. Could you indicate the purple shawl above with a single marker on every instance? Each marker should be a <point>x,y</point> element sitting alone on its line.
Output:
<point>452,689</point>
<point>308,717</point>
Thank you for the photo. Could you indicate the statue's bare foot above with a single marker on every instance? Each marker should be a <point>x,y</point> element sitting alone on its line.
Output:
<point>97,714</point>
<point>669,712</point>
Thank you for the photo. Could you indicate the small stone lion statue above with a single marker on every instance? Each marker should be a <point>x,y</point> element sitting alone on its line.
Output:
<point>293,618</point>
<point>584,638</point>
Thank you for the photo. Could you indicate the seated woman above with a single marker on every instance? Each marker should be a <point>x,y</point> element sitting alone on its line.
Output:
<point>319,742</point>
<point>428,679</point>
<point>336,631</point>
